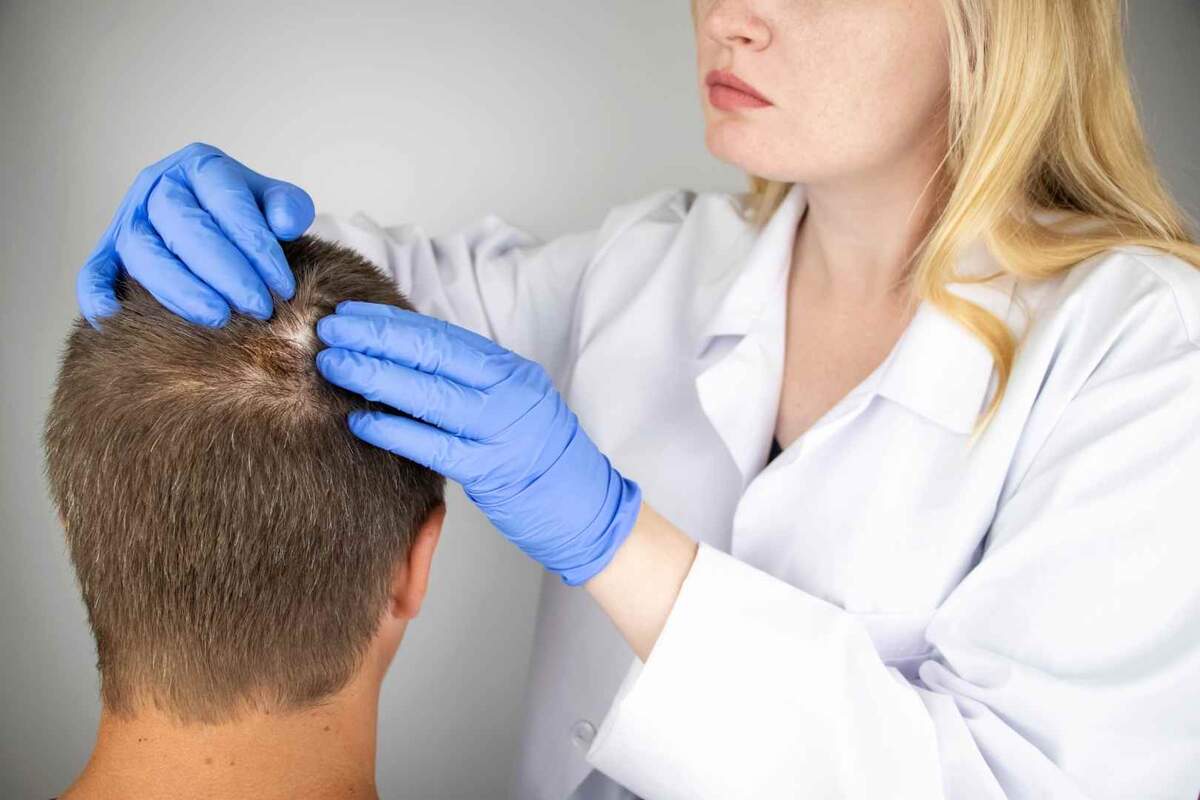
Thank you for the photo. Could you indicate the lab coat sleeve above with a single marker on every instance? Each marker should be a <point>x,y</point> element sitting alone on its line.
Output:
<point>488,275</point>
<point>1066,664</point>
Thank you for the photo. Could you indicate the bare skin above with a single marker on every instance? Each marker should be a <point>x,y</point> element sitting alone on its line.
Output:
<point>858,91</point>
<point>318,753</point>
<point>840,324</point>
<point>325,752</point>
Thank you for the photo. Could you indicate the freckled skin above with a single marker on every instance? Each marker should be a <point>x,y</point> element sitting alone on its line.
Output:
<point>854,83</point>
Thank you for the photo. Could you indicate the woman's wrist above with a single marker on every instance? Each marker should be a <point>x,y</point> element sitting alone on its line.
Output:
<point>639,586</point>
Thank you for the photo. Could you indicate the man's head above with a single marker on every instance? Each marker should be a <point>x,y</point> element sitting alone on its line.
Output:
<point>237,547</point>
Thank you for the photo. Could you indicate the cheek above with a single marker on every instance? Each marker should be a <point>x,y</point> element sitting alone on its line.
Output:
<point>863,86</point>
<point>874,83</point>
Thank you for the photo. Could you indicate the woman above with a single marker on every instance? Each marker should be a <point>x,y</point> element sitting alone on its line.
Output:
<point>888,462</point>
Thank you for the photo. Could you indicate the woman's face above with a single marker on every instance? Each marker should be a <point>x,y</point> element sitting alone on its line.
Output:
<point>853,84</point>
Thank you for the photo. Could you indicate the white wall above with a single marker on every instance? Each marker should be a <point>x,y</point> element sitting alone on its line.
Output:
<point>437,112</point>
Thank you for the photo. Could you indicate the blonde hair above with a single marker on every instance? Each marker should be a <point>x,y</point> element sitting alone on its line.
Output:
<point>1041,115</point>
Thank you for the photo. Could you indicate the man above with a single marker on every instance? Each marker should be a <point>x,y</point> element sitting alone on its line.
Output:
<point>247,564</point>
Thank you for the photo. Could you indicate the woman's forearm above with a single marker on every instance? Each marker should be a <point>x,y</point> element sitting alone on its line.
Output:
<point>639,586</point>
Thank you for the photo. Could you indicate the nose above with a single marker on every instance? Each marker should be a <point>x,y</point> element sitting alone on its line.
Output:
<point>732,23</point>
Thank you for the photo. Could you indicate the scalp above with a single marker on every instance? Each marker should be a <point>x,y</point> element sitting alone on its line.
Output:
<point>263,364</point>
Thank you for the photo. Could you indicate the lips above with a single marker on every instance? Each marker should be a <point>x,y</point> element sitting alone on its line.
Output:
<point>725,78</point>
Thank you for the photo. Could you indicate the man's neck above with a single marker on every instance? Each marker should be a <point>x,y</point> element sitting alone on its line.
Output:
<point>324,752</point>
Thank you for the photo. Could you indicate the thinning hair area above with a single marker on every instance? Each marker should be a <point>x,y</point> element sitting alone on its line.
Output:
<point>233,541</point>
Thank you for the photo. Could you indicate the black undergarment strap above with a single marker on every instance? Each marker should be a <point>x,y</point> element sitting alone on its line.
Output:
<point>775,450</point>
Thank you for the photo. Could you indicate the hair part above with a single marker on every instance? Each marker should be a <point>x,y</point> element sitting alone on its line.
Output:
<point>233,541</point>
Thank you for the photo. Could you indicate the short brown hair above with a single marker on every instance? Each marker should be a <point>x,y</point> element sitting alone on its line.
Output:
<point>234,542</point>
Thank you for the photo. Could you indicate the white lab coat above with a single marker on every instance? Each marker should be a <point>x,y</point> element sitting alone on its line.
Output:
<point>879,612</point>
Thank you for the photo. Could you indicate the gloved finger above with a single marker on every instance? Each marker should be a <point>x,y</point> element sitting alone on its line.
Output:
<point>418,345</point>
<point>94,286</point>
<point>219,185</point>
<point>288,209</point>
<point>363,309</point>
<point>156,268</point>
<point>190,233</point>
<point>409,438</point>
<point>452,407</point>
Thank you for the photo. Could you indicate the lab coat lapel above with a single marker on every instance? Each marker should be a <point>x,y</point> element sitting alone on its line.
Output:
<point>937,369</point>
<point>740,340</point>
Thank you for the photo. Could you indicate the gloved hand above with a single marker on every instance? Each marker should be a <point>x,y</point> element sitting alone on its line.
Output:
<point>199,231</point>
<point>488,419</point>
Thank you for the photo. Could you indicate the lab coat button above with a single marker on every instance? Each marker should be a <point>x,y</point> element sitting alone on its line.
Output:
<point>582,733</point>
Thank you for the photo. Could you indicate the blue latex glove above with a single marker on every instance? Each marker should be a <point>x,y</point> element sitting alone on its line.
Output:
<point>199,231</point>
<point>489,419</point>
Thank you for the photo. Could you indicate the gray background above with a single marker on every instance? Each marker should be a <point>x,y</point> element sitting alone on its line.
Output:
<point>543,111</point>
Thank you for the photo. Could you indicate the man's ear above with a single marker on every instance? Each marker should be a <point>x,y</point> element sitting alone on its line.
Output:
<point>411,577</point>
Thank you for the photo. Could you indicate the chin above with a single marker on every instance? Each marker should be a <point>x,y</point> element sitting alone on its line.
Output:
<point>729,140</point>
<point>733,146</point>
<point>808,160</point>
